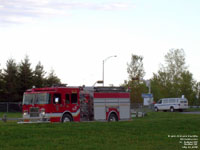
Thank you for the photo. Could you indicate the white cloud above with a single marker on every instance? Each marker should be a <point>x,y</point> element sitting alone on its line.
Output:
<point>115,6</point>
<point>14,11</point>
<point>16,19</point>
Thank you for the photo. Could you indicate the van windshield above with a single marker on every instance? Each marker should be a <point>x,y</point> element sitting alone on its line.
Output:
<point>159,102</point>
<point>36,98</point>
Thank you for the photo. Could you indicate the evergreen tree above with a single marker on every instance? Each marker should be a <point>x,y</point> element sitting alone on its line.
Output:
<point>52,79</point>
<point>16,79</point>
<point>38,76</point>
<point>10,79</point>
<point>25,75</point>
<point>1,86</point>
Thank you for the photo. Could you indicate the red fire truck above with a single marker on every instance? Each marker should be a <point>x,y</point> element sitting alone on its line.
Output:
<point>65,104</point>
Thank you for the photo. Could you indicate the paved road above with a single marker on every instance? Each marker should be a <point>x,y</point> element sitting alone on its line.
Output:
<point>196,112</point>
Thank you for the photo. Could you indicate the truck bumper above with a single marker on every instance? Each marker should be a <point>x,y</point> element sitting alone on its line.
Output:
<point>33,120</point>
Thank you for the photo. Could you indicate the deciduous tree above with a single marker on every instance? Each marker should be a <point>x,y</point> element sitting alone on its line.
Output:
<point>136,72</point>
<point>173,78</point>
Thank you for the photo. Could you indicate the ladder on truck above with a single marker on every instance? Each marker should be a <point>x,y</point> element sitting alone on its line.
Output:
<point>110,89</point>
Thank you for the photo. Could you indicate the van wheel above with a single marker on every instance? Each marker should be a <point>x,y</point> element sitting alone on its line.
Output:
<point>67,118</point>
<point>171,109</point>
<point>156,109</point>
<point>113,118</point>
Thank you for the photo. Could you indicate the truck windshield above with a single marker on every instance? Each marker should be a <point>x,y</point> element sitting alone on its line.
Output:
<point>36,98</point>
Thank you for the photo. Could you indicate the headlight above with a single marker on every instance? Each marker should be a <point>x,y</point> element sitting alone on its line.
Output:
<point>25,112</point>
<point>43,112</point>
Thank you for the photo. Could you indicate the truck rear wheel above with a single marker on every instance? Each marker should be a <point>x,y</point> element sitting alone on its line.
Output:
<point>113,117</point>
<point>171,109</point>
<point>67,118</point>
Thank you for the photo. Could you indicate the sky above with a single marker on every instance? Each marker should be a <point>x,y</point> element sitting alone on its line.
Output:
<point>73,37</point>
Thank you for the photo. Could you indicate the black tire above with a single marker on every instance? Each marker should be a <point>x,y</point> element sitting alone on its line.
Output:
<point>171,109</point>
<point>67,118</point>
<point>113,117</point>
<point>156,109</point>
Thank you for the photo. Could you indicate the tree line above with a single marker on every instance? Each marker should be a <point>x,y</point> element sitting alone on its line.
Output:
<point>17,78</point>
<point>173,79</point>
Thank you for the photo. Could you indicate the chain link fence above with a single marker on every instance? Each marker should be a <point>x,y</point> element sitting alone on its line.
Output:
<point>141,107</point>
<point>139,110</point>
<point>17,107</point>
<point>10,107</point>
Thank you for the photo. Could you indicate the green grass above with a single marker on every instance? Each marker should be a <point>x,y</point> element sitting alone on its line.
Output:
<point>11,114</point>
<point>192,109</point>
<point>148,133</point>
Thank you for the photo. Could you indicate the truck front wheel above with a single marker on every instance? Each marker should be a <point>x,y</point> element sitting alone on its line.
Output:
<point>171,109</point>
<point>67,118</point>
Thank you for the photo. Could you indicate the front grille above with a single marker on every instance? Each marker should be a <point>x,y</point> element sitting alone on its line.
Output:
<point>34,112</point>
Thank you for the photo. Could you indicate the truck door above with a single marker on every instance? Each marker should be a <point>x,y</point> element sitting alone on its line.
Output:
<point>57,102</point>
<point>72,104</point>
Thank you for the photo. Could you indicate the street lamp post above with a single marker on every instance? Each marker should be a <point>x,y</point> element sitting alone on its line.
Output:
<point>103,65</point>
<point>198,88</point>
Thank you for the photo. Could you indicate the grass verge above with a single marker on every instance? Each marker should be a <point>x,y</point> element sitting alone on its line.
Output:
<point>148,133</point>
<point>193,109</point>
<point>11,114</point>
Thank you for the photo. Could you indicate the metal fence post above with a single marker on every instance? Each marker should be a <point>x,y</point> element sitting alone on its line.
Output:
<point>7,107</point>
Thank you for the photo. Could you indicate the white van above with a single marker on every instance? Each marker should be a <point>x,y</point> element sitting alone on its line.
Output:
<point>171,104</point>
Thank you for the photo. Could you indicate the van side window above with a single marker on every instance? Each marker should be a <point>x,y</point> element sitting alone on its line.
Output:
<point>165,101</point>
<point>67,100</point>
<point>57,98</point>
<point>172,101</point>
<point>74,98</point>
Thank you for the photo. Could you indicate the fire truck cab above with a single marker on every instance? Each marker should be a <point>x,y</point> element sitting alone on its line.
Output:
<point>65,104</point>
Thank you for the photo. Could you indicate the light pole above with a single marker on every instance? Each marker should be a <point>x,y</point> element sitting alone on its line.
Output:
<point>198,88</point>
<point>148,84</point>
<point>103,65</point>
